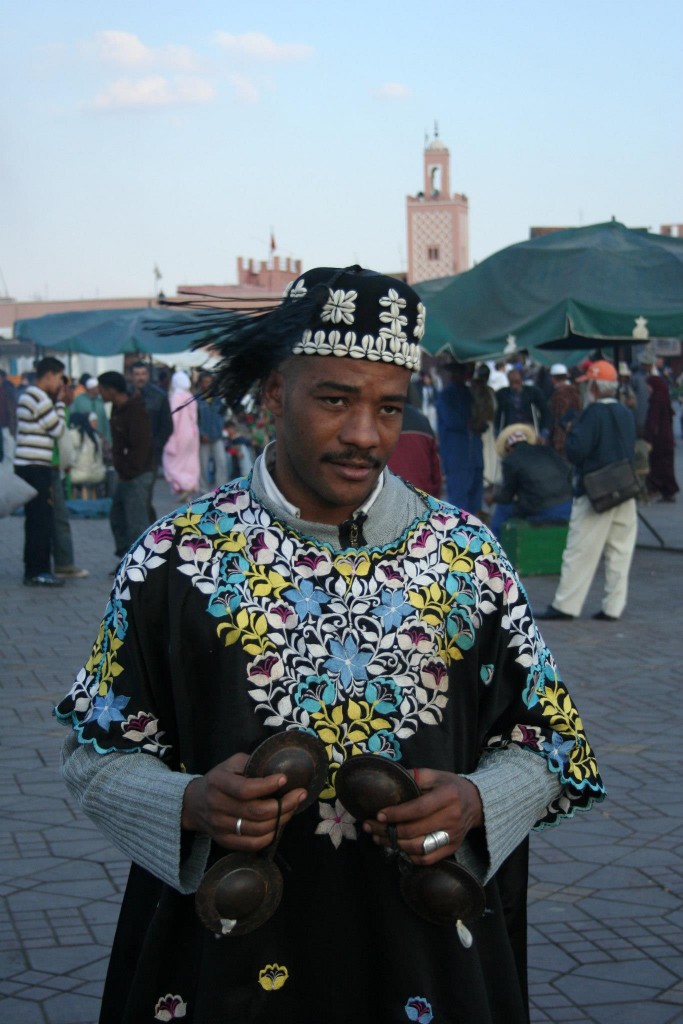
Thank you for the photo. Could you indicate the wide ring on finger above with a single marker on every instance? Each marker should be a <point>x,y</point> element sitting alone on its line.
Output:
<point>434,841</point>
<point>238,827</point>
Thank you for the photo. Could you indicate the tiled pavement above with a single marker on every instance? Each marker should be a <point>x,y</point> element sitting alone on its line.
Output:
<point>606,894</point>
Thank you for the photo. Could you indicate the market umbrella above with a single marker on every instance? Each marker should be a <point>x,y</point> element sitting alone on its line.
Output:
<point>560,293</point>
<point>108,332</point>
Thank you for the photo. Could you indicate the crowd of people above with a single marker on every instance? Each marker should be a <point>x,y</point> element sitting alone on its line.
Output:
<point>491,437</point>
<point>110,437</point>
<point>516,442</point>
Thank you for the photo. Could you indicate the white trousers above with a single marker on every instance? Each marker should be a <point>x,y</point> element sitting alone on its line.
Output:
<point>592,534</point>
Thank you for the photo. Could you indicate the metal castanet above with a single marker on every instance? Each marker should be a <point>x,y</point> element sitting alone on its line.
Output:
<point>241,891</point>
<point>367,783</point>
<point>445,893</point>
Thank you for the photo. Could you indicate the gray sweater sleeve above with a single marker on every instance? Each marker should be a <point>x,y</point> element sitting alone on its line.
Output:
<point>136,800</point>
<point>515,787</point>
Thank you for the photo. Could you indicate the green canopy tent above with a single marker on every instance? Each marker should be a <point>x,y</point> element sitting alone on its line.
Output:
<point>560,296</point>
<point>108,332</point>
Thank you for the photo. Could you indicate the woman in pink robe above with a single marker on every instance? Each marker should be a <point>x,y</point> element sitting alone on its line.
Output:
<point>181,452</point>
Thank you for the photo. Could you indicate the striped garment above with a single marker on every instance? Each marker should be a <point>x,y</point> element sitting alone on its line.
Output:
<point>39,422</point>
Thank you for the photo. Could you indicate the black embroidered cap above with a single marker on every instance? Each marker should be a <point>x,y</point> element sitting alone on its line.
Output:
<point>365,315</point>
<point>326,311</point>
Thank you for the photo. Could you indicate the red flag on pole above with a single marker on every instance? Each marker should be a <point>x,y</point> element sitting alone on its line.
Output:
<point>272,241</point>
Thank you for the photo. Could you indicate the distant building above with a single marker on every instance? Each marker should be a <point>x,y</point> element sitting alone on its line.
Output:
<point>437,222</point>
<point>258,282</point>
<point>264,276</point>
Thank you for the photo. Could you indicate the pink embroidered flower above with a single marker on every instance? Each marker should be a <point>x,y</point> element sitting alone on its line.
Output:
<point>488,570</point>
<point>265,670</point>
<point>234,502</point>
<point>159,540</point>
<point>423,543</point>
<point>263,548</point>
<point>391,575</point>
<point>312,563</point>
<point>170,1007</point>
<point>529,736</point>
<point>415,638</point>
<point>140,727</point>
<point>281,616</point>
<point>195,549</point>
<point>435,676</point>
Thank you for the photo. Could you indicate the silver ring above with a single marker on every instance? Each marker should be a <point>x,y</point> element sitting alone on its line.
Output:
<point>238,827</point>
<point>434,841</point>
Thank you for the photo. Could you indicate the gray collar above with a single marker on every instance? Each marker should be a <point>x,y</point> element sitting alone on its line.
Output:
<point>396,507</point>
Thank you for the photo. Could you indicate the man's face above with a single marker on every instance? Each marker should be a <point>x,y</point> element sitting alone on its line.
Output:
<point>337,422</point>
<point>140,377</point>
<point>107,394</point>
<point>52,382</point>
<point>205,383</point>
<point>93,392</point>
<point>515,380</point>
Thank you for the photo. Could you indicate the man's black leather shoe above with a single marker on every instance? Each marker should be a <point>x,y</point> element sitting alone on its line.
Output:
<point>554,613</point>
<point>604,617</point>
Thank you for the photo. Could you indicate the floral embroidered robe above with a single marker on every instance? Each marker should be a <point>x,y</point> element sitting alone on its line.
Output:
<point>224,626</point>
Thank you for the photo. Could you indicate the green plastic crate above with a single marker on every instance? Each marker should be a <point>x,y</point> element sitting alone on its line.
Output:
<point>534,550</point>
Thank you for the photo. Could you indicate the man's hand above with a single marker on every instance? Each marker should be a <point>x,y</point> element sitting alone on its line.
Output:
<point>448,803</point>
<point>213,804</point>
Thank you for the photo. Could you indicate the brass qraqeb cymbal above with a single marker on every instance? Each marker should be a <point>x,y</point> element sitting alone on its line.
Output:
<point>239,893</point>
<point>367,783</point>
<point>443,893</point>
<point>300,756</point>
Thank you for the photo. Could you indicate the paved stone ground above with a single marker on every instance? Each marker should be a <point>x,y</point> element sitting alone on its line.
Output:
<point>606,914</point>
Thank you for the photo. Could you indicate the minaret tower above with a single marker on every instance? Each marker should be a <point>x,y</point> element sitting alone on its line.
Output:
<point>437,222</point>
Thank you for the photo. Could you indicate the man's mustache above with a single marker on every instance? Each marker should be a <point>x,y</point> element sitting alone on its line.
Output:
<point>355,458</point>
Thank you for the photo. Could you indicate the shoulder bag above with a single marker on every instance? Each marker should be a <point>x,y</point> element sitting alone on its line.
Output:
<point>613,484</point>
<point>14,491</point>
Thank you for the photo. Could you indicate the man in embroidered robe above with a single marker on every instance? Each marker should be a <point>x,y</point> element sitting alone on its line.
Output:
<point>324,595</point>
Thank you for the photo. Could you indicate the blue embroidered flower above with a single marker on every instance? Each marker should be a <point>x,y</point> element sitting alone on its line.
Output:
<point>118,616</point>
<point>107,709</point>
<point>315,693</point>
<point>558,749</point>
<point>307,599</point>
<point>348,661</point>
<point>384,695</point>
<point>419,1009</point>
<point>486,674</point>
<point>226,599</point>
<point>385,743</point>
<point>459,584</point>
<point>234,568</point>
<point>470,539</point>
<point>459,626</point>
<point>216,524</point>
<point>393,608</point>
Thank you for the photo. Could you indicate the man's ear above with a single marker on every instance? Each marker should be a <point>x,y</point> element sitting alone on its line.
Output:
<point>273,393</point>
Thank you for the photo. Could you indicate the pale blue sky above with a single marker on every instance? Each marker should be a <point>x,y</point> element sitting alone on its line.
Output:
<point>136,134</point>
